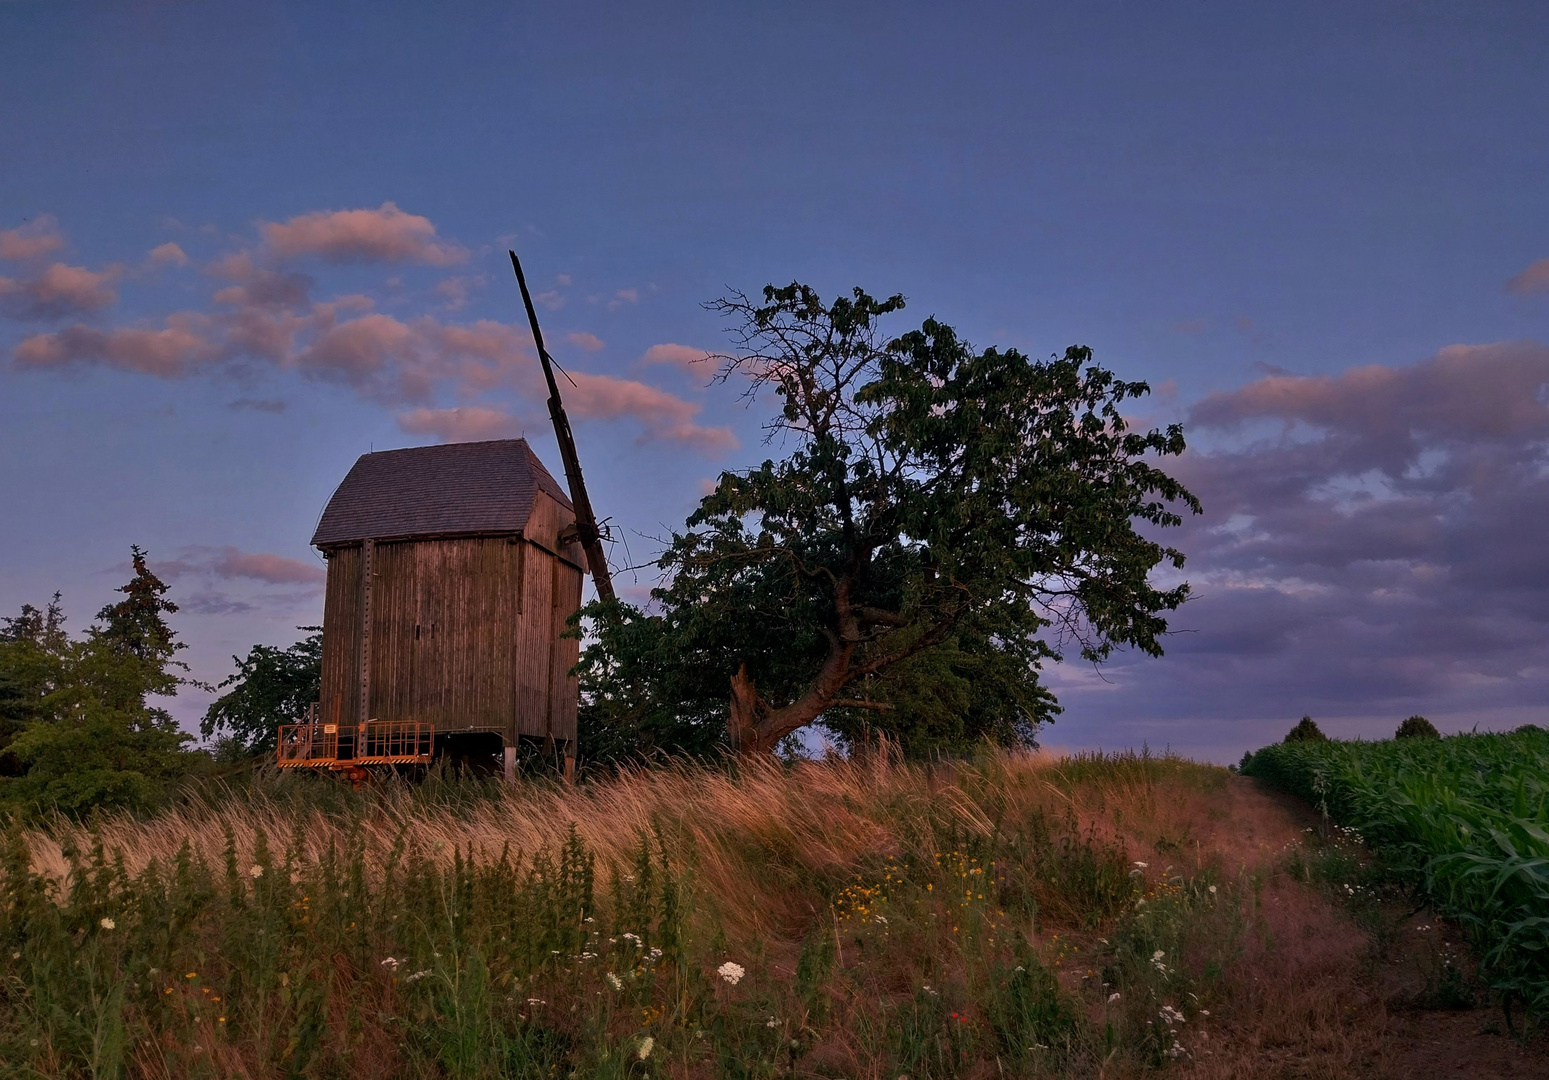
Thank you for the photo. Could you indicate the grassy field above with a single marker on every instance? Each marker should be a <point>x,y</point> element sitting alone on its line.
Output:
<point>1466,819</point>
<point>1015,916</point>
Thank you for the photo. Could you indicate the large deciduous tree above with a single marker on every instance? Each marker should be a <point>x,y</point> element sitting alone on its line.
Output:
<point>270,687</point>
<point>947,520</point>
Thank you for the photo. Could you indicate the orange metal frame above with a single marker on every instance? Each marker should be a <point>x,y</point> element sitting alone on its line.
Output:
<point>346,746</point>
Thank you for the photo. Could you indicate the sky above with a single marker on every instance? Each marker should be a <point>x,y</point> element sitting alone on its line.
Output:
<point>243,243</point>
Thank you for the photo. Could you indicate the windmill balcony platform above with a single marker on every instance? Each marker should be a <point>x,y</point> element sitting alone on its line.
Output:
<point>348,746</point>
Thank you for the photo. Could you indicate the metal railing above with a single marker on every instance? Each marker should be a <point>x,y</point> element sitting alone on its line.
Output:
<point>337,746</point>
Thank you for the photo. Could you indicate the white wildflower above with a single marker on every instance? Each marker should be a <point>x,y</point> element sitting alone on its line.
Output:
<point>1212,890</point>
<point>418,975</point>
<point>255,871</point>
<point>1204,1012</point>
<point>654,955</point>
<point>108,924</point>
<point>1141,865</point>
<point>731,972</point>
<point>536,1001</point>
<point>615,982</point>
<point>632,939</point>
<point>1170,1015</point>
<point>391,963</point>
<point>771,1023</point>
<point>647,1044</point>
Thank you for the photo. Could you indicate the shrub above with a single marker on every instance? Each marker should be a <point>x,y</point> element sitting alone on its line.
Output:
<point>1306,731</point>
<point>1417,727</point>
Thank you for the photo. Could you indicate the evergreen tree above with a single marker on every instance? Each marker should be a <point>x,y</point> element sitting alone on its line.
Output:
<point>94,737</point>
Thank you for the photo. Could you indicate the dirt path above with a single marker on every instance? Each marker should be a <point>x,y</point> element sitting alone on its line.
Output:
<point>1397,1025</point>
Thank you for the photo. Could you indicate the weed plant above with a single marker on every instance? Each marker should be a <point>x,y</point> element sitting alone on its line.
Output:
<point>836,918</point>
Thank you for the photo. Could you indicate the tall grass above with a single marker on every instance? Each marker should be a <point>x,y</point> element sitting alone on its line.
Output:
<point>1015,915</point>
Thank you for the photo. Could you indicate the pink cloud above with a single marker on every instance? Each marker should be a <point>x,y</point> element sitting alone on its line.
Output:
<point>168,353</point>
<point>366,353</point>
<point>683,356</point>
<point>271,569</point>
<point>59,291</point>
<point>231,562</point>
<point>385,234</point>
<point>665,416</point>
<point>583,340</point>
<point>1532,280</point>
<point>1465,393</point>
<point>168,254</point>
<point>455,290</point>
<point>467,424</point>
<point>622,297</point>
<point>36,238</point>
<point>552,299</point>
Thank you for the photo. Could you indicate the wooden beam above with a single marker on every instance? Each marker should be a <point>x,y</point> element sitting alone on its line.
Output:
<point>367,553</point>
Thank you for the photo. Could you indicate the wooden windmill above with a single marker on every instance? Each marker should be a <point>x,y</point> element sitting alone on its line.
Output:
<point>453,572</point>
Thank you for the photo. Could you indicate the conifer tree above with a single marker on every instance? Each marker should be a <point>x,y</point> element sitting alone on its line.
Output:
<point>94,736</point>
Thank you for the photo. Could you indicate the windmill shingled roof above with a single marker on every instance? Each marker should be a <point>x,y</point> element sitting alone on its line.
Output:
<point>458,489</point>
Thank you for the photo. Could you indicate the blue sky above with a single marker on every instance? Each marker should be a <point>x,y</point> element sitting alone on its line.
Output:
<point>1248,206</point>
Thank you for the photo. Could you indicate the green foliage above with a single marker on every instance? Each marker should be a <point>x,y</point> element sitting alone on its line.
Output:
<point>89,733</point>
<point>31,645</point>
<point>1306,730</point>
<point>270,687</point>
<point>948,520</point>
<point>1417,727</point>
<point>357,950</point>
<point>1464,818</point>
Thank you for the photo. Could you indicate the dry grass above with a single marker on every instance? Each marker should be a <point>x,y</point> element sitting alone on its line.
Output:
<point>763,847</point>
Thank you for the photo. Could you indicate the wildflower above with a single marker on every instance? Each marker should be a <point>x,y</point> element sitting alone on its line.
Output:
<point>647,1044</point>
<point>536,1001</point>
<point>633,939</point>
<point>1204,1012</point>
<point>108,924</point>
<point>255,871</point>
<point>1113,997</point>
<point>418,975</point>
<point>771,1023</point>
<point>391,963</point>
<point>1212,890</point>
<point>615,982</point>
<point>1141,865</point>
<point>731,972</point>
<point>1170,1015</point>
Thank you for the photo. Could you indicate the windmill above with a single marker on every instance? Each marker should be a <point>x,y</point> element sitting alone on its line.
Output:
<point>585,521</point>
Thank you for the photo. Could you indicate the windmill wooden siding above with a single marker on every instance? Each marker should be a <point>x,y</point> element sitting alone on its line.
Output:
<point>462,622</point>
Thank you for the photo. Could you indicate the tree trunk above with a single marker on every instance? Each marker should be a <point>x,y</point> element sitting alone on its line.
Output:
<point>755,727</point>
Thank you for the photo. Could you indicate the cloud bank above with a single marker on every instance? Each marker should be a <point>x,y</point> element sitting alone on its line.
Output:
<point>263,313</point>
<point>1373,544</point>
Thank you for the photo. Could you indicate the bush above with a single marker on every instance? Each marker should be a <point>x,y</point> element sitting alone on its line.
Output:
<point>1417,727</point>
<point>1306,731</point>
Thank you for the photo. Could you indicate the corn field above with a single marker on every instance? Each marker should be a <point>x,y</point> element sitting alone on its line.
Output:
<point>1465,819</point>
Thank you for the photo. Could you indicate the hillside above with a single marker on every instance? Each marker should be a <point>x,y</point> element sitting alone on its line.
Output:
<point>1019,915</point>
